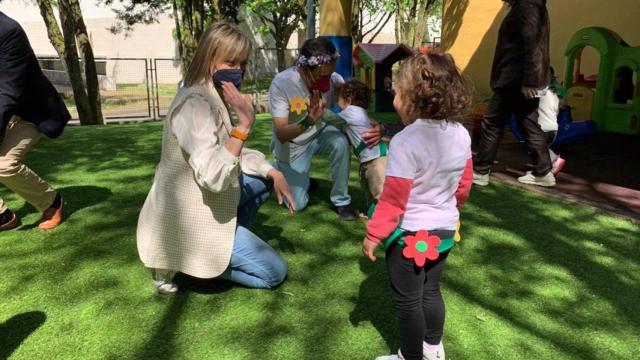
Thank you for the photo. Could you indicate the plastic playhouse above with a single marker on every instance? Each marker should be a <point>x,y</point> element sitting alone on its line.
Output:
<point>610,98</point>
<point>373,63</point>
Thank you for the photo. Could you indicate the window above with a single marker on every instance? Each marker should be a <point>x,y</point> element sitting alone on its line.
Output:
<point>624,85</point>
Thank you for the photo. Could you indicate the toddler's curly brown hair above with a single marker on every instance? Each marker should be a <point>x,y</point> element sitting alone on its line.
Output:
<point>355,91</point>
<point>432,87</point>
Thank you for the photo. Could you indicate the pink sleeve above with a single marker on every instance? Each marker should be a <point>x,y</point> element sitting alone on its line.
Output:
<point>391,206</point>
<point>464,186</point>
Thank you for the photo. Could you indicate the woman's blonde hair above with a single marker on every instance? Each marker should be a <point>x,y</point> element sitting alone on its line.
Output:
<point>432,87</point>
<point>221,42</point>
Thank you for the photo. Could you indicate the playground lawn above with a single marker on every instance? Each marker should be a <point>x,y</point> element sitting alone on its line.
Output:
<point>534,278</point>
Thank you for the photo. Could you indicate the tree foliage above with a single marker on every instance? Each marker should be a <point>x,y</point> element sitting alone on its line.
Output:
<point>411,19</point>
<point>281,19</point>
<point>191,18</point>
<point>367,19</point>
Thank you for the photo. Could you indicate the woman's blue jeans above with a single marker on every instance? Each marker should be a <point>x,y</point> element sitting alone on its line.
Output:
<point>253,263</point>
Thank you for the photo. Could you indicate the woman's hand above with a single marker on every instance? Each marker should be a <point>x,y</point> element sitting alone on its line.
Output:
<point>281,188</point>
<point>241,104</point>
<point>315,107</point>
<point>373,136</point>
<point>369,249</point>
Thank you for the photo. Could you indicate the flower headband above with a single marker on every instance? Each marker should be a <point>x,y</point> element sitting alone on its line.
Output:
<point>316,60</point>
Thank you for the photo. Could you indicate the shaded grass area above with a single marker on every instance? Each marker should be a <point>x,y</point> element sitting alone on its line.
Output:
<point>534,278</point>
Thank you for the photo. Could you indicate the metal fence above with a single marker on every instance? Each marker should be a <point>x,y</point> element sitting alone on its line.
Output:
<point>166,79</point>
<point>140,88</point>
<point>125,86</point>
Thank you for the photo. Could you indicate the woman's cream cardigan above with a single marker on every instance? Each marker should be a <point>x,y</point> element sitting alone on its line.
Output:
<point>188,221</point>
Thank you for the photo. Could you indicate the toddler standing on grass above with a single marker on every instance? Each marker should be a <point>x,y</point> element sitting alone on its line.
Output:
<point>353,100</point>
<point>428,177</point>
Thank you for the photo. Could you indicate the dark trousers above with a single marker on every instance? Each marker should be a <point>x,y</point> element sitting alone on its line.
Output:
<point>504,103</point>
<point>418,300</point>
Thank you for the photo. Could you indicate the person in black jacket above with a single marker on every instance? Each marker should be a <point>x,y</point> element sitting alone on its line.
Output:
<point>519,76</point>
<point>29,108</point>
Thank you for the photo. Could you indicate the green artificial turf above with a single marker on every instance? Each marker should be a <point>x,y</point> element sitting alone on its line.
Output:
<point>534,278</point>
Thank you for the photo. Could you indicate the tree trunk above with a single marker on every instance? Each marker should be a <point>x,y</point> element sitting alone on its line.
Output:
<point>356,21</point>
<point>281,35</point>
<point>90,72</point>
<point>190,34</point>
<point>176,20</point>
<point>420,29</point>
<point>53,30</point>
<point>399,22</point>
<point>281,45</point>
<point>423,19</point>
<point>65,45</point>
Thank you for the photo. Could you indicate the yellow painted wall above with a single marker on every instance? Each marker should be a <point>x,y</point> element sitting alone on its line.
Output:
<point>470,31</point>
<point>335,16</point>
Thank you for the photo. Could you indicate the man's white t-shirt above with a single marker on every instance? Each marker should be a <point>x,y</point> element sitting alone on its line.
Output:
<point>288,88</point>
<point>357,121</point>
<point>432,153</point>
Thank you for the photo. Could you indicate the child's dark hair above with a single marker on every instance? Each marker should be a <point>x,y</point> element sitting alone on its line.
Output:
<point>432,87</point>
<point>317,46</point>
<point>355,91</point>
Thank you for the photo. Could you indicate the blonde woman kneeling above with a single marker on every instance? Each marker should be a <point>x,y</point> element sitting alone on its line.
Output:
<point>207,186</point>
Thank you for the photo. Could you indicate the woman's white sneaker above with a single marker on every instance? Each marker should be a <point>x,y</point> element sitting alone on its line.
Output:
<point>166,288</point>
<point>163,280</point>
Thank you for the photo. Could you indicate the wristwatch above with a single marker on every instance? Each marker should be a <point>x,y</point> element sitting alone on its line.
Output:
<point>239,134</point>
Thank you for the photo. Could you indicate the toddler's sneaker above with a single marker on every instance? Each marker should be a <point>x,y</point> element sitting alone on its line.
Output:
<point>547,181</point>
<point>391,357</point>
<point>431,352</point>
<point>557,165</point>
<point>480,179</point>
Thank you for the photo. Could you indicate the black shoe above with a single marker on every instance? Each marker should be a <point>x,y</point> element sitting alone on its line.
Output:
<point>345,212</point>
<point>313,185</point>
<point>8,220</point>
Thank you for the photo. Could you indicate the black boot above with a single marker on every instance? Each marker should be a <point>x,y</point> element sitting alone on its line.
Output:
<point>345,212</point>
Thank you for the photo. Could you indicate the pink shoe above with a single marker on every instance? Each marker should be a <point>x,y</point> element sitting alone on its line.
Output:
<point>557,165</point>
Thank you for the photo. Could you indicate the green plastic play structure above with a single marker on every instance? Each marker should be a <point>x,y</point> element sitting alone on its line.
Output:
<point>613,97</point>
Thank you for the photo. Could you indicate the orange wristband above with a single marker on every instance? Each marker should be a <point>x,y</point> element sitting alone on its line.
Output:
<point>239,134</point>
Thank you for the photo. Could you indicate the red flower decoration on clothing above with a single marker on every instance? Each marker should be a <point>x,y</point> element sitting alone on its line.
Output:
<point>421,247</point>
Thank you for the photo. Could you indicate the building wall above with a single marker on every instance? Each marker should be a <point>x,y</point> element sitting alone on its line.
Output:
<point>470,29</point>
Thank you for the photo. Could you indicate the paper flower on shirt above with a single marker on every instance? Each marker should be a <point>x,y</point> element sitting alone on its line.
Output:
<point>298,105</point>
<point>421,247</point>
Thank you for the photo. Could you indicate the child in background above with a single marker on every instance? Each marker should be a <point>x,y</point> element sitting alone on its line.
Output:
<point>353,100</point>
<point>428,177</point>
<point>548,111</point>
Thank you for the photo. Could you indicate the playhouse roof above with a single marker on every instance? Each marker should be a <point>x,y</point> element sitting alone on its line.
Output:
<point>370,54</point>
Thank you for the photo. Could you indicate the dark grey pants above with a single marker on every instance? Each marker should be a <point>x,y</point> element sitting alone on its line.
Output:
<point>504,103</point>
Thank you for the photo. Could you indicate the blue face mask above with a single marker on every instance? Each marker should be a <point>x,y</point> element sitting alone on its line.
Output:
<point>233,76</point>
